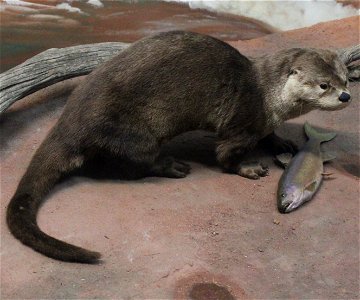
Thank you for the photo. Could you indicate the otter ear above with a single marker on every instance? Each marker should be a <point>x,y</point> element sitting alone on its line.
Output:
<point>294,71</point>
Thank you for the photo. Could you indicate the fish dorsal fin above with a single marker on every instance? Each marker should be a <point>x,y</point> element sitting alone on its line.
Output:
<point>311,187</point>
<point>326,156</point>
<point>311,133</point>
<point>283,159</point>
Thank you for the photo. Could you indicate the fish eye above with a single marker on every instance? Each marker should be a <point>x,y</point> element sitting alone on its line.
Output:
<point>283,195</point>
<point>324,86</point>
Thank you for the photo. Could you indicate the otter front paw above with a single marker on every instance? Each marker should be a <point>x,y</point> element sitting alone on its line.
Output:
<point>252,170</point>
<point>171,168</point>
<point>178,169</point>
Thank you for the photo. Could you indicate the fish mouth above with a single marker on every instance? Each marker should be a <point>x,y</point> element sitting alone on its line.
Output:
<point>288,207</point>
<point>292,206</point>
<point>283,208</point>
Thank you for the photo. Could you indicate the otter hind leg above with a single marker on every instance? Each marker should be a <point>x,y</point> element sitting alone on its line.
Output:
<point>138,154</point>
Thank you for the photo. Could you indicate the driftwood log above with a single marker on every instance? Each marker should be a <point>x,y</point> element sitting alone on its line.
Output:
<point>54,65</point>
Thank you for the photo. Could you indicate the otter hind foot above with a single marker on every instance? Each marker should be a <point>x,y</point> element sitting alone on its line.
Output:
<point>170,167</point>
<point>252,170</point>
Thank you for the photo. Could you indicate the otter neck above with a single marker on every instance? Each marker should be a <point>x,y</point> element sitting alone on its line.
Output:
<point>280,103</point>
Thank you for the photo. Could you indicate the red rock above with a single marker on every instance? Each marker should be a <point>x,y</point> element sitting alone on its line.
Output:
<point>25,34</point>
<point>158,244</point>
<point>333,35</point>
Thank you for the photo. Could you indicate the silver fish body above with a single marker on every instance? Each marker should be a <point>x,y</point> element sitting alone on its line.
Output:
<point>303,176</point>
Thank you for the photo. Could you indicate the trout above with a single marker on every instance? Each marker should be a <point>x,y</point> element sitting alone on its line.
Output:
<point>304,173</point>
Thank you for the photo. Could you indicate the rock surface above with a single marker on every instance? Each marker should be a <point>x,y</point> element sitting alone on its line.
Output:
<point>208,235</point>
<point>27,32</point>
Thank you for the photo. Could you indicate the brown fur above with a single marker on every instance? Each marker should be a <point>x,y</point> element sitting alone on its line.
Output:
<point>154,90</point>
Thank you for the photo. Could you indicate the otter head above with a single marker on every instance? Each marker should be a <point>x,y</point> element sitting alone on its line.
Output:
<point>318,79</point>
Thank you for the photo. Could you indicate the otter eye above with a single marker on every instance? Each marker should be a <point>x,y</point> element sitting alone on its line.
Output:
<point>324,86</point>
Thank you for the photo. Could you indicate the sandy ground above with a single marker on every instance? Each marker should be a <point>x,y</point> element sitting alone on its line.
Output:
<point>208,236</point>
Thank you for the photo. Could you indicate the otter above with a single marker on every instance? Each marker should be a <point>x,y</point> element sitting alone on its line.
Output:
<point>165,85</point>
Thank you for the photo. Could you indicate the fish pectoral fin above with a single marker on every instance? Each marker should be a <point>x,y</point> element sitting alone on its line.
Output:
<point>311,187</point>
<point>283,159</point>
<point>326,156</point>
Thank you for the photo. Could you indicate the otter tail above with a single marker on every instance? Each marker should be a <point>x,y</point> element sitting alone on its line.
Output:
<point>46,168</point>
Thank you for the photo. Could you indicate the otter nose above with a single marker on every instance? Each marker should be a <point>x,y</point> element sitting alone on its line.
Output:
<point>344,97</point>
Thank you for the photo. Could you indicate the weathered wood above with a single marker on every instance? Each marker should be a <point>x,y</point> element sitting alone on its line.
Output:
<point>52,66</point>
<point>349,55</point>
<point>354,73</point>
<point>55,65</point>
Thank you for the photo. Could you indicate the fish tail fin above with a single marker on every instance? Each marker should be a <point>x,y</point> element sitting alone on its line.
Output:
<point>311,133</point>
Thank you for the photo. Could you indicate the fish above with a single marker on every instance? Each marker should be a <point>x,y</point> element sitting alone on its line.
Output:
<point>305,171</point>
